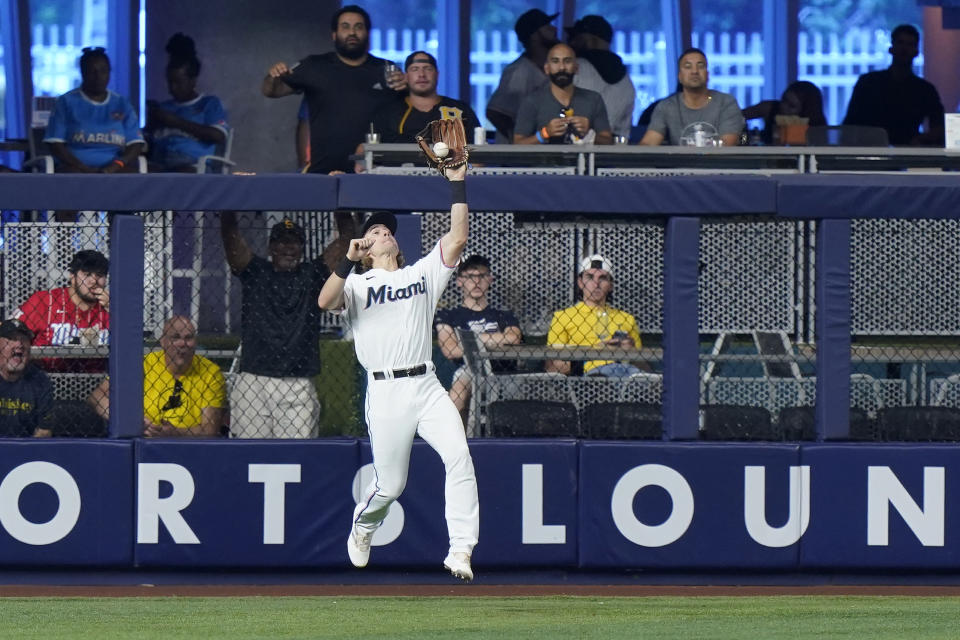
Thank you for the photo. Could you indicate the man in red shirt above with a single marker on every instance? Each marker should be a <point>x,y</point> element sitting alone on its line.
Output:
<point>77,314</point>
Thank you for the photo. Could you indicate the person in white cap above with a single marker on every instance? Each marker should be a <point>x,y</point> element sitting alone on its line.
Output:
<point>592,322</point>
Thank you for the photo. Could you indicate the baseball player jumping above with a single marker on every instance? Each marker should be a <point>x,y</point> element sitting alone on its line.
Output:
<point>390,309</point>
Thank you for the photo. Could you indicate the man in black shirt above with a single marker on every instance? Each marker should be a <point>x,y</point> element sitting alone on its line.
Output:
<point>399,122</point>
<point>26,393</point>
<point>343,89</point>
<point>896,98</point>
<point>273,395</point>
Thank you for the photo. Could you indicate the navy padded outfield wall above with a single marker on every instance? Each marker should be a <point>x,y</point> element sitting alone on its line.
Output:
<point>553,504</point>
<point>544,503</point>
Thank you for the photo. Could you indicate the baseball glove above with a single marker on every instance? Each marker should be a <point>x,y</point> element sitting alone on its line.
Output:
<point>452,136</point>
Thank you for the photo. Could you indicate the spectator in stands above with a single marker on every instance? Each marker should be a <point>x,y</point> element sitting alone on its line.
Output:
<point>343,89</point>
<point>592,322</point>
<point>802,99</point>
<point>183,393</point>
<point>400,122</point>
<point>492,326</point>
<point>93,129</point>
<point>273,396</point>
<point>524,75</point>
<point>603,71</point>
<point>26,393</point>
<point>898,100</point>
<point>562,113</point>
<point>189,125</point>
<point>695,109</point>
<point>77,314</point>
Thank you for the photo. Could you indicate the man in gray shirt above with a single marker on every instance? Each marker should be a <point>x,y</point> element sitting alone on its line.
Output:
<point>562,113</point>
<point>525,74</point>
<point>695,113</point>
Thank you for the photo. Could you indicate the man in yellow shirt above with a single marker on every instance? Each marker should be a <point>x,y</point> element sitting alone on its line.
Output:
<point>183,393</point>
<point>592,322</point>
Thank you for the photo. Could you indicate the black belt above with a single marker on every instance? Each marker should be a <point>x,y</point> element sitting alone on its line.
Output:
<point>418,370</point>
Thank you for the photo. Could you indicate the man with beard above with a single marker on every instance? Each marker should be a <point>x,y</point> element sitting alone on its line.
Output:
<point>77,314</point>
<point>399,122</point>
<point>26,393</point>
<point>694,108</point>
<point>343,89</point>
<point>603,71</point>
<point>560,112</point>
<point>273,396</point>
<point>524,75</point>
<point>183,393</point>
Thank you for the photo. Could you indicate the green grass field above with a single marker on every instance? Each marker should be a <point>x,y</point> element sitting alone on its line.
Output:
<point>873,617</point>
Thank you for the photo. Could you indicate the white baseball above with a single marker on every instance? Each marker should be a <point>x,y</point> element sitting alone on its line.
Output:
<point>441,149</point>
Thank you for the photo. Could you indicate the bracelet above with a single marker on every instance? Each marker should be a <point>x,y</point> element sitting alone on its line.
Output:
<point>458,191</point>
<point>345,267</point>
<point>119,162</point>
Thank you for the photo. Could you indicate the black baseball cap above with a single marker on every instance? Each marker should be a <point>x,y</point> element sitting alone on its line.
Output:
<point>421,57</point>
<point>12,328</point>
<point>476,260</point>
<point>594,25</point>
<point>385,218</point>
<point>90,261</point>
<point>529,22</point>
<point>287,230</point>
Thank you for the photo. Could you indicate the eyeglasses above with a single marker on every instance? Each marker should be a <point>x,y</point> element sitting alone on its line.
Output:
<point>476,277</point>
<point>174,401</point>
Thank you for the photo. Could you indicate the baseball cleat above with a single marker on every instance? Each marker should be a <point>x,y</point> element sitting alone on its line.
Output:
<point>458,564</point>
<point>358,547</point>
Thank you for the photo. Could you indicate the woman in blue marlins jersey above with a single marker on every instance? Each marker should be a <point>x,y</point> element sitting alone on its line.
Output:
<point>93,129</point>
<point>190,124</point>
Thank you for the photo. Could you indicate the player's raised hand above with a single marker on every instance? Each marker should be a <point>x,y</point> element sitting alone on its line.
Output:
<point>359,247</point>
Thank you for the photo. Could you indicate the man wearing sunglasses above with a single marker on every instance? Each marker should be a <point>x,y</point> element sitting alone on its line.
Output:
<point>183,393</point>
<point>492,326</point>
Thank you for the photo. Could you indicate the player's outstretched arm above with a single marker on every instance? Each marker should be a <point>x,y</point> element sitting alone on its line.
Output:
<point>453,242</point>
<point>331,295</point>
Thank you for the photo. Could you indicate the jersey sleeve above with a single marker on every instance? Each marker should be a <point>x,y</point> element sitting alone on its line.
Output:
<point>441,317</point>
<point>57,125</point>
<point>214,115</point>
<point>214,389</point>
<point>601,121</point>
<point>526,123</point>
<point>634,332</point>
<point>437,274</point>
<point>557,333</point>
<point>297,76</point>
<point>658,119</point>
<point>33,311</point>
<point>508,319</point>
<point>131,125</point>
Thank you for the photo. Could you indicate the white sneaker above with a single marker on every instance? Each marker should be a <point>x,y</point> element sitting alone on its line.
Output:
<point>358,547</point>
<point>458,564</point>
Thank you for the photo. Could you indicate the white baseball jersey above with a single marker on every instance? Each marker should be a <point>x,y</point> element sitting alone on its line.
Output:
<point>391,312</point>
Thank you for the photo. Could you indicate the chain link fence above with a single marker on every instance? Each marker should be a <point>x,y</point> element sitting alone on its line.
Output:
<point>562,360</point>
